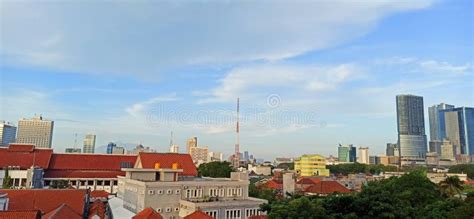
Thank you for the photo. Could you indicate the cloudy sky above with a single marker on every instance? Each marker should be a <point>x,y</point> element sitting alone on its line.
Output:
<point>309,75</point>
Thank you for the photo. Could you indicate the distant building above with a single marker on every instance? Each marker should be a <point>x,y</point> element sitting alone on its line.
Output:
<point>215,156</point>
<point>174,149</point>
<point>459,125</point>
<point>435,146</point>
<point>7,133</point>
<point>411,126</point>
<point>374,159</point>
<point>73,150</point>
<point>199,154</point>
<point>246,156</point>
<point>140,148</point>
<point>363,155</point>
<point>346,153</point>
<point>311,165</point>
<point>260,169</point>
<point>118,150</point>
<point>36,131</point>
<point>390,150</point>
<point>89,144</point>
<point>437,126</point>
<point>448,151</point>
<point>110,147</point>
<point>192,142</point>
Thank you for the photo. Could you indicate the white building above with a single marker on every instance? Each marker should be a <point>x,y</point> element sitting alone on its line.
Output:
<point>89,144</point>
<point>199,154</point>
<point>363,155</point>
<point>36,131</point>
<point>216,156</point>
<point>174,149</point>
<point>7,133</point>
<point>118,150</point>
<point>260,169</point>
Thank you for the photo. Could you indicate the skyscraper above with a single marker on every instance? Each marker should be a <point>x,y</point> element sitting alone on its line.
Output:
<point>35,131</point>
<point>7,133</point>
<point>411,126</point>
<point>437,126</point>
<point>390,150</point>
<point>192,142</point>
<point>346,153</point>
<point>89,144</point>
<point>363,155</point>
<point>459,125</point>
<point>110,147</point>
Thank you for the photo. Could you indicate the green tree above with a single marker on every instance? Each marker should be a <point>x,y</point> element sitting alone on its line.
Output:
<point>7,180</point>
<point>463,168</point>
<point>215,169</point>
<point>451,186</point>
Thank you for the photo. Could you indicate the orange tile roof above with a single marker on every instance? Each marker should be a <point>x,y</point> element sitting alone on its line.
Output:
<point>308,180</point>
<point>147,213</point>
<point>273,184</point>
<point>166,160</point>
<point>327,187</point>
<point>94,161</point>
<point>198,215</point>
<point>30,214</point>
<point>99,194</point>
<point>97,208</point>
<point>104,174</point>
<point>24,156</point>
<point>63,211</point>
<point>46,200</point>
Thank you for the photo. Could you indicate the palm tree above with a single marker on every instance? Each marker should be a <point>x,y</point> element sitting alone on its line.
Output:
<point>451,186</point>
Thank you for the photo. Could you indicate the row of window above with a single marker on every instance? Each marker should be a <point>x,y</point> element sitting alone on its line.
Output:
<point>161,192</point>
<point>214,192</point>
<point>86,182</point>
<point>167,210</point>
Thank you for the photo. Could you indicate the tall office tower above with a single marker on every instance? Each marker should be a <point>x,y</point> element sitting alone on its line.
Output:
<point>363,155</point>
<point>459,125</point>
<point>37,131</point>
<point>447,151</point>
<point>411,126</point>
<point>437,126</point>
<point>246,156</point>
<point>435,146</point>
<point>174,149</point>
<point>192,142</point>
<point>390,150</point>
<point>89,144</point>
<point>346,153</point>
<point>110,147</point>
<point>7,133</point>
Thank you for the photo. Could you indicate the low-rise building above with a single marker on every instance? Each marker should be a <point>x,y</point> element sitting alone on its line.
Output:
<point>311,165</point>
<point>175,196</point>
<point>260,169</point>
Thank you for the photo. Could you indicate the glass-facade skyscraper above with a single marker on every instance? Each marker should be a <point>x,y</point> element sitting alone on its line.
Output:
<point>110,147</point>
<point>459,128</point>
<point>437,125</point>
<point>346,153</point>
<point>411,126</point>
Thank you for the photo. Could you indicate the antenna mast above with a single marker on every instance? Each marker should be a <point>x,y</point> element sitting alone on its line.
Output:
<point>236,163</point>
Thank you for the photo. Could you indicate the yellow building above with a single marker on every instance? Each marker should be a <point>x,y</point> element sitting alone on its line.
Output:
<point>311,165</point>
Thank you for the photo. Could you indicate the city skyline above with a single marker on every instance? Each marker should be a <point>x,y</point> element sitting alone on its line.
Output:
<point>336,79</point>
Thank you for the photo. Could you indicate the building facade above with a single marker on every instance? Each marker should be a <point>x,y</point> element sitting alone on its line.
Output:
<point>347,153</point>
<point>364,155</point>
<point>192,142</point>
<point>7,133</point>
<point>390,150</point>
<point>411,126</point>
<point>36,131</point>
<point>89,144</point>
<point>311,165</point>
<point>199,154</point>
<point>176,197</point>
<point>174,149</point>
<point>459,125</point>
<point>110,147</point>
<point>437,126</point>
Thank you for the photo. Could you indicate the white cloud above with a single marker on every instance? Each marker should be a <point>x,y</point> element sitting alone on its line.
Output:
<point>426,65</point>
<point>144,38</point>
<point>137,109</point>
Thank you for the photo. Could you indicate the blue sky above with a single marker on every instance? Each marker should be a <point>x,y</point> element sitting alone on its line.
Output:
<point>309,75</point>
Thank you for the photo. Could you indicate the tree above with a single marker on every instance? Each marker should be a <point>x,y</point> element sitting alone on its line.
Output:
<point>451,186</point>
<point>463,168</point>
<point>215,169</point>
<point>7,180</point>
<point>59,184</point>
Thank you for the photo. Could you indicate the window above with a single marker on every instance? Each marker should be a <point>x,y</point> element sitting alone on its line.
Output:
<point>151,192</point>
<point>168,209</point>
<point>158,210</point>
<point>126,165</point>
<point>178,191</point>
<point>90,182</point>
<point>160,192</point>
<point>169,192</point>
<point>115,182</point>
<point>232,214</point>
<point>176,209</point>
<point>107,183</point>
<point>212,213</point>
<point>100,182</point>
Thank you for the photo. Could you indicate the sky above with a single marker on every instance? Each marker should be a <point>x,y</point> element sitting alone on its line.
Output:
<point>309,74</point>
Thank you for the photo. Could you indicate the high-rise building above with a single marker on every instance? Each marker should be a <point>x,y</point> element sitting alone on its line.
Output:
<point>215,156</point>
<point>73,150</point>
<point>37,131</point>
<point>390,150</point>
<point>459,125</point>
<point>174,149</point>
<point>435,146</point>
<point>89,144</point>
<point>311,165</point>
<point>363,155</point>
<point>110,147</point>
<point>448,151</point>
<point>437,126</point>
<point>199,154</point>
<point>192,142</point>
<point>246,156</point>
<point>346,153</point>
<point>411,126</point>
<point>7,133</point>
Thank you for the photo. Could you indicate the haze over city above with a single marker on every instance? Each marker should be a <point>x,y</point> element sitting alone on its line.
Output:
<point>308,78</point>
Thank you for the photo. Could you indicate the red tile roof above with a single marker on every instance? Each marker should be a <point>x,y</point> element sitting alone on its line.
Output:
<point>147,213</point>
<point>24,156</point>
<point>166,160</point>
<point>327,187</point>
<point>273,184</point>
<point>258,217</point>
<point>31,214</point>
<point>106,174</point>
<point>198,215</point>
<point>308,180</point>
<point>63,211</point>
<point>99,194</point>
<point>46,200</point>
<point>97,208</point>
<point>89,161</point>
